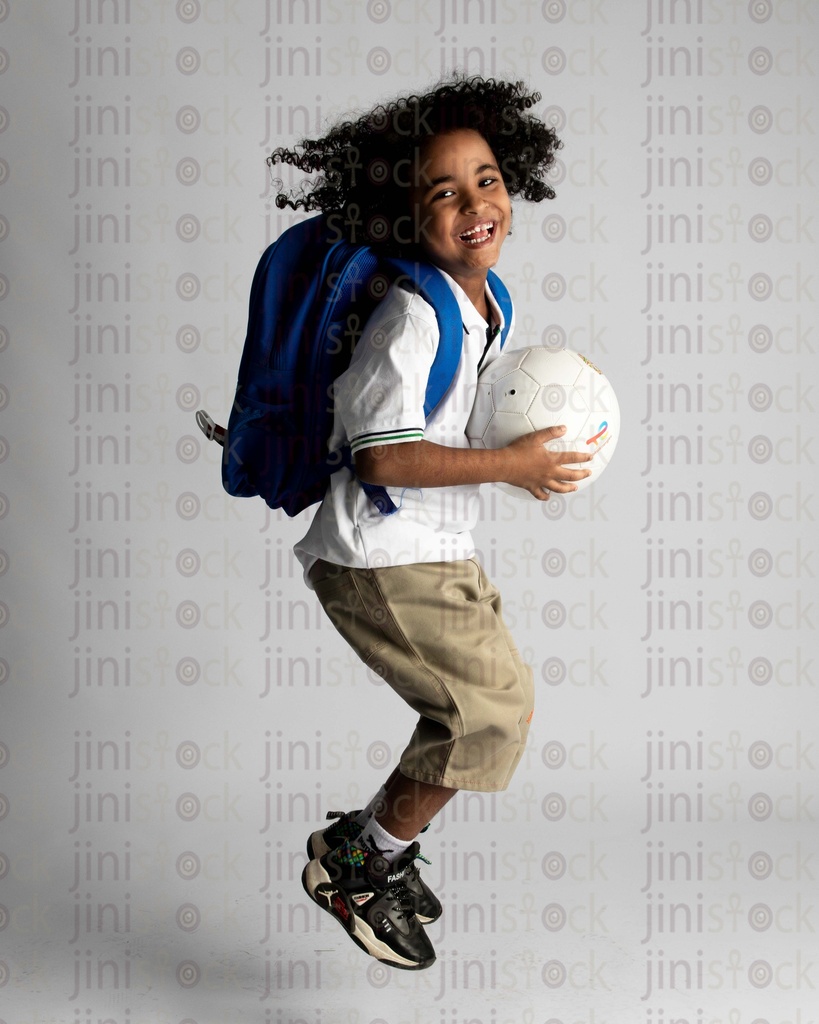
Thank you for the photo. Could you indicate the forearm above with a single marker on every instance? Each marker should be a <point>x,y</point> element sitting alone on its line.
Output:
<point>526,462</point>
<point>426,464</point>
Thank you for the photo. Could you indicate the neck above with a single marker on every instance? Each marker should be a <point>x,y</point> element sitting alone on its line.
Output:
<point>475,289</point>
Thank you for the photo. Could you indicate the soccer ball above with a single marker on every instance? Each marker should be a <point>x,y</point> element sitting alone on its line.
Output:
<point>531,388</point>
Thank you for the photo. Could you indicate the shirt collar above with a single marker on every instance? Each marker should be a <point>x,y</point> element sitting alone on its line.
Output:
<point>472,319</point>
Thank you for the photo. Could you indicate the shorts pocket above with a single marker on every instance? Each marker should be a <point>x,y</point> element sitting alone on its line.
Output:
<point>340,598</point>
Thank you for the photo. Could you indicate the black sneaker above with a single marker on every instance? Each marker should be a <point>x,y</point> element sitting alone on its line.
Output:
<point>425,903</point>
<point>369,896</point>
<point>344,827</point>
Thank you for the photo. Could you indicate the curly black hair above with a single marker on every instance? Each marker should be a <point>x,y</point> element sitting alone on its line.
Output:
<point>362,165</point>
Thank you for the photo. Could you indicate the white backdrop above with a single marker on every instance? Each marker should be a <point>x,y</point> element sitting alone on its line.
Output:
<point>178,716</point>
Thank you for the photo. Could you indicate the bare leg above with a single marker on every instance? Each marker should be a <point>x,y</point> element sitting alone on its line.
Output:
<point>410,805</point>
<point>394,774</point>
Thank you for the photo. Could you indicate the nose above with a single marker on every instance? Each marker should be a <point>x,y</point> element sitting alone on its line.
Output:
<point>473,200</point>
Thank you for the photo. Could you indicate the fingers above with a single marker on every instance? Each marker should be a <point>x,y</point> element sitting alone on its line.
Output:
<point>570,457</point>
<point>545,492</point>
<point>574,474</point>
<point>547,433</point>
<point>561,487</point>
<point>565,483</point>
<point>562,477</point>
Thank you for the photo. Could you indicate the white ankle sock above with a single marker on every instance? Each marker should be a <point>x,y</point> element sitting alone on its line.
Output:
<point>375,806</point>
<point>379,839</point>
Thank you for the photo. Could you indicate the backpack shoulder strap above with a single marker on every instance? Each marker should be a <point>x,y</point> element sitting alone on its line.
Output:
<point>504,300</point>
<point>431,285</point>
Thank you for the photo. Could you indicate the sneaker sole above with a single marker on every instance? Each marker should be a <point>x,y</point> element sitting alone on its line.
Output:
<point>316,847</point>
<point>320,888</point>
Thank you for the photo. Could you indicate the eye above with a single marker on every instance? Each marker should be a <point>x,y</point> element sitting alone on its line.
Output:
<point>443,194</point>
<point>487,181</point>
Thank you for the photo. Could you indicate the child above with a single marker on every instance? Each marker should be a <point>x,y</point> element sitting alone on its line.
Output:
<point>427,177</point>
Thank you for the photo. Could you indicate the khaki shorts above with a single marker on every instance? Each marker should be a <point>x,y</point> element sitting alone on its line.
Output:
<point>434,632</point>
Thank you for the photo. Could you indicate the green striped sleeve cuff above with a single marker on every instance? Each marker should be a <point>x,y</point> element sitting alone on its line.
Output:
<point>386,437</point>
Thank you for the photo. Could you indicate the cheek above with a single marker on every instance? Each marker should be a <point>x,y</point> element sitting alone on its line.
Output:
<point>434,226</point>
<point>424,220</point>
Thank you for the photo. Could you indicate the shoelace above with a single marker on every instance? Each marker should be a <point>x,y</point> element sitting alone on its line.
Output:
<point>402,896</point>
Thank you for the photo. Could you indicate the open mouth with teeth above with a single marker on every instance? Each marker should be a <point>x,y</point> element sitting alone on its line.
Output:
<point>478,234</point>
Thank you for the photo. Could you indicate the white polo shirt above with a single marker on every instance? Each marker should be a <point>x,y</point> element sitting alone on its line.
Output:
<point>379,400</point>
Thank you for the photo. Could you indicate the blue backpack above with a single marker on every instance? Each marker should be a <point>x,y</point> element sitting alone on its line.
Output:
<point>310,300</point>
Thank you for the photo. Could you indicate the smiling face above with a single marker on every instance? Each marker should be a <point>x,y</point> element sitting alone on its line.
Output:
<point>461,206</point>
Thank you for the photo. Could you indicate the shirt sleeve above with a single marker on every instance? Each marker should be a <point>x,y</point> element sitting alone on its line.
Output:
<point>380,397</point>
